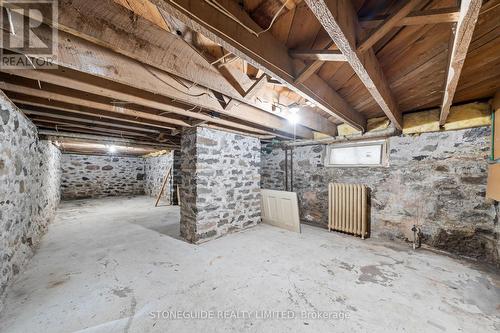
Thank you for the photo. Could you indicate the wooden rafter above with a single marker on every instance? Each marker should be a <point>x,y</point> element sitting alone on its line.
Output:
<point>71,99</point>
<point>105,129</point>
<point>322,55</point>
<point>262,51</point>
<point>340,21</point>
<point>156,85</point>
<point>125,33</point>
<point>430,16</point>
<point>50,104</point>
<point>236,79</point>
<point>61,135</point>
<point>88,121</point>
<point>469,12</point>
<point>387,25</point>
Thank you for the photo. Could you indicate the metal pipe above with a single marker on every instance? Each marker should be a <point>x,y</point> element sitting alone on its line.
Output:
<point>355,137</point>
<point>286,169</point>
<point>291,169</point>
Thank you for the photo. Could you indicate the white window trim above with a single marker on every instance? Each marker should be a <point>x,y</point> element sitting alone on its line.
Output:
<point>384,151</point>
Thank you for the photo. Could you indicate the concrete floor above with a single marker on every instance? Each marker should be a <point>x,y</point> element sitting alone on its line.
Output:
<point>110,265</point>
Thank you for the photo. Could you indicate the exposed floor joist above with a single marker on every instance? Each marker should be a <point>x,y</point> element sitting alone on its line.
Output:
<point>262,51</point>
<point>430,16</point>
<point>61,135</point>
<point>93,60</point>
<point>63,117</point>
<point>127,34</point>
<point>340,21</point>
<point>323,55</point>
<point>53,105</point>
<point>387,24</point>
<point>469,13</point>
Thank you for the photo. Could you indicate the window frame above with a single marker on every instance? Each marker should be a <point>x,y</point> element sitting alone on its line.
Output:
<point>384,158</point>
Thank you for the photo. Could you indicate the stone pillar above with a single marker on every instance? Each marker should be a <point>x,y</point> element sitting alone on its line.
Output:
<point>220,183</point>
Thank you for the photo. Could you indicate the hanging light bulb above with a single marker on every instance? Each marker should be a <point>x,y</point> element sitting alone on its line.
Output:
<point>293,115</point>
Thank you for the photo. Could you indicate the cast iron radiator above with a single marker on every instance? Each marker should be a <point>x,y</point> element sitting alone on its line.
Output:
<point>347,209</point>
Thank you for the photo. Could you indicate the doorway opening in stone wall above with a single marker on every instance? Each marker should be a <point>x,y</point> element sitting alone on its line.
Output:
<point>123,189</point>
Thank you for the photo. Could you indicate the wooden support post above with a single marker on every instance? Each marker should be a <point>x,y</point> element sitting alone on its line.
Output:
<point>165,181</point>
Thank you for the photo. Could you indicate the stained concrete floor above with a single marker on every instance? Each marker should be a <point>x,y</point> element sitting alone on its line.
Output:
<point>110,265</point>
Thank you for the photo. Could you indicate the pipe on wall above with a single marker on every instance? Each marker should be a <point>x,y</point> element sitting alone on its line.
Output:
<point>391,131</point>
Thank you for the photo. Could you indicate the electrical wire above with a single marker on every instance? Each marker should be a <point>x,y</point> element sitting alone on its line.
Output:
<point>223,10</point>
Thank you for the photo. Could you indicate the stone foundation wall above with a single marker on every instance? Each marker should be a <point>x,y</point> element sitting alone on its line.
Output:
<point>88,176</point>
<point>155,171</point>
<point>435,180</point>
<point>220,183</point>
<point>29,189</point>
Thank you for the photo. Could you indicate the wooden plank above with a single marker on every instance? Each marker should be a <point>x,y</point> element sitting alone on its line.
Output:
<point>95,60</point>
<point>69,99</point>
<point>308,71</point>
<point>340,21</point>
<point>493,187</point>
<point>145,9</point>
<point>262,51</point>
<point>258,84</point>
<point>430,16</point>
<point>165,180</point>
<point>387,25</point>
<point>88,121</point>
<point>63,124</point>
<point>496,125</point>
<point>59,78</point>
<point>46,104</point>
<point>99,138</point>
<point>469,13</point>
<point>323,55</point>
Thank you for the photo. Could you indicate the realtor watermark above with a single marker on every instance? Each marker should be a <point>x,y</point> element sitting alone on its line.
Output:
<point>256,315</point>
<point>29,35</point>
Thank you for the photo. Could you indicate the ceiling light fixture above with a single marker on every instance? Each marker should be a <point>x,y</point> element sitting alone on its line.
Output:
<point>293,115</point>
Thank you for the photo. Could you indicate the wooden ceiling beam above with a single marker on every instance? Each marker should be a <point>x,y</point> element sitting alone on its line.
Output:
<point>54,89</point>
<point>56,135</point>
<point>108,129</point>
<point>430,16</point>
<point>262,51</point>
<point>80,130</point>
<point>322,55</point>
<point>60,78</point>
<point>340,21</point>
<point>308,71</point>
<point>236,79</point>
<point>256,86</point>
<point>31,101</point>
<point>113,26</point>
<point>31,112</point>
<point>388,24</point>
<point>82,102</point>
<point>462,36</point>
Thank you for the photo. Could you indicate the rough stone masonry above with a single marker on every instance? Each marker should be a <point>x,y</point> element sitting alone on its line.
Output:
<point>220,183</point>
<point>29,182</point>
<point>156,168</point>
<point>89,176</point>
<point>435,180</point>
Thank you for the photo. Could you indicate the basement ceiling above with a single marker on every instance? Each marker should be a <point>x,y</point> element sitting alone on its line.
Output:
<point>145,70</point>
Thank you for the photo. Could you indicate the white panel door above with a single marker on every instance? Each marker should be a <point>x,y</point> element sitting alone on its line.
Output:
<point>281,209</point>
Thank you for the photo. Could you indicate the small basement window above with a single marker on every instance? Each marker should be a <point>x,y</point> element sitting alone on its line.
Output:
<point>359,154</point>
